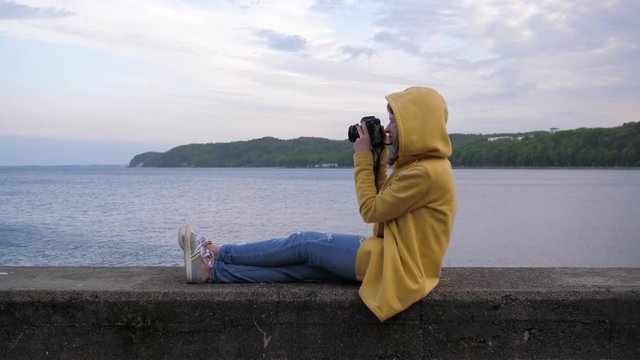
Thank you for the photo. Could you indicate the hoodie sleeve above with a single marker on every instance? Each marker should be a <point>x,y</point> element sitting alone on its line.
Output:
<point>382,173</point>
<point>406,192</point>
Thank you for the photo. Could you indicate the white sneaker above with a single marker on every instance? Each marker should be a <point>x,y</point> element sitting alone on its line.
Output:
<point>194,254</point>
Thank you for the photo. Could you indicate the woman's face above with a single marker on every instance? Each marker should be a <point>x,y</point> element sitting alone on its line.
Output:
<point>391,129</point>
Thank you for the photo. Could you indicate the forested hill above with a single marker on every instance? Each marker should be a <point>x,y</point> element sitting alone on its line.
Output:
<point>584,147</point>
<point>264,152</point>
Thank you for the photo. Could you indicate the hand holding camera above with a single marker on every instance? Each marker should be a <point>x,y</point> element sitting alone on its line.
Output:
<point>367,136</point>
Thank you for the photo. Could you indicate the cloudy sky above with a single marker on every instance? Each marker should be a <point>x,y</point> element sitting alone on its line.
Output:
<point>87,81</point>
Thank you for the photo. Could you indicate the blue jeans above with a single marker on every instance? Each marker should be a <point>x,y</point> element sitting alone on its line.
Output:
<point>303,256</point>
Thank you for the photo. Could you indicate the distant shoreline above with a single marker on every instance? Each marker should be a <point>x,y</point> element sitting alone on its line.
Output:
<point>331,168</point>
<point>592,148</point>
<point>547,167</point>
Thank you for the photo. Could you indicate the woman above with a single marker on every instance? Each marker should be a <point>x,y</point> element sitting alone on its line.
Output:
<point>412,212</point>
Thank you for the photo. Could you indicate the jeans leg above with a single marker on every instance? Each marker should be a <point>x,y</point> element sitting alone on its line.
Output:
<point>232,273</point>
<point>335,253</point>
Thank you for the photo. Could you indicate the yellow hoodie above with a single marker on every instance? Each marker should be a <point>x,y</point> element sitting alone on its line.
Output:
<point>413,211</point>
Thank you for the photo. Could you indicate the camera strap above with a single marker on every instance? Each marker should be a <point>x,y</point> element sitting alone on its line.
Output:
<point>376,166</point>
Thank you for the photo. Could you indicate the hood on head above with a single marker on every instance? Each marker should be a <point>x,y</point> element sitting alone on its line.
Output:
<point>421,115</point>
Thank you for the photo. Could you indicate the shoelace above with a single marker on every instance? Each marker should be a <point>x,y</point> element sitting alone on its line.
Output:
<point>208,257</point>
<point>206,254</point>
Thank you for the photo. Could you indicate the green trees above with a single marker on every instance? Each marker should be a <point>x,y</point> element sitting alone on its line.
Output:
<point>584,147</point>
<point>264,152</point>
<point>595,147</point>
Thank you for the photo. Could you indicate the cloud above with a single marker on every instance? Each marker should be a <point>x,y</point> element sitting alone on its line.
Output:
<point>327,5</point>
<point>357,51</point>
<point>516,47</point>
<point>10,10</point>
<point>395,40</point>
<point>282,42</point>
<point>310,67</point>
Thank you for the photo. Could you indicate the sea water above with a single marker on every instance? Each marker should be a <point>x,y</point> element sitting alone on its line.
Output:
<point>120,216</point>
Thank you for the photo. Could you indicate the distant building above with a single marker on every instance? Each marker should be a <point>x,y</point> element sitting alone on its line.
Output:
<point>329,165</point>
<point>496,138</point>
<point>552,130</point>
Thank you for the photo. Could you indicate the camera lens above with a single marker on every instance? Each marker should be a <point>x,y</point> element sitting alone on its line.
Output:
<point>353,133</point>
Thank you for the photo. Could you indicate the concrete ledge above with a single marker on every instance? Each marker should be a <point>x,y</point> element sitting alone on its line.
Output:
<point>71,313</point>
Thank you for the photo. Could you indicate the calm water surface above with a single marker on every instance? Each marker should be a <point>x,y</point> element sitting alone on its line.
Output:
<point>118,216</point>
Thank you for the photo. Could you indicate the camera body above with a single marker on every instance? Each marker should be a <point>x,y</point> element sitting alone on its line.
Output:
<point>374,128</point>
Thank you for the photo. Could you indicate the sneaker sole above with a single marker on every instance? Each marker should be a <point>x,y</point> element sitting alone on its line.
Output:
<point>185,244</point>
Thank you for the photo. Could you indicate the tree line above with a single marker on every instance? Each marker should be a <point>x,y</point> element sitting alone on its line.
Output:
<point>263,152</point>
<point>584,147</point>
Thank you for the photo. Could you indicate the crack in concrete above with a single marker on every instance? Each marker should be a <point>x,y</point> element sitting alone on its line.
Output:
<point>265,338</point>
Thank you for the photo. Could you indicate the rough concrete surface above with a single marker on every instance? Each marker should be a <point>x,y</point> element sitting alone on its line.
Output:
<point>475,313</point>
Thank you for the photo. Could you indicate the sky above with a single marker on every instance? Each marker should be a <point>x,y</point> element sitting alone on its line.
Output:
<point>97,82</point>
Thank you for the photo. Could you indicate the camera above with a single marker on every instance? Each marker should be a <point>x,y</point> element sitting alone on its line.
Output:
<point>375,130</point>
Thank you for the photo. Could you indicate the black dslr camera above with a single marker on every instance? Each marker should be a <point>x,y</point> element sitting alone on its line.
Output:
<point>375,130</point>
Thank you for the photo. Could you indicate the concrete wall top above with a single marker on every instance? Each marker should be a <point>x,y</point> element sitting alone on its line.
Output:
<point>150,312</point>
